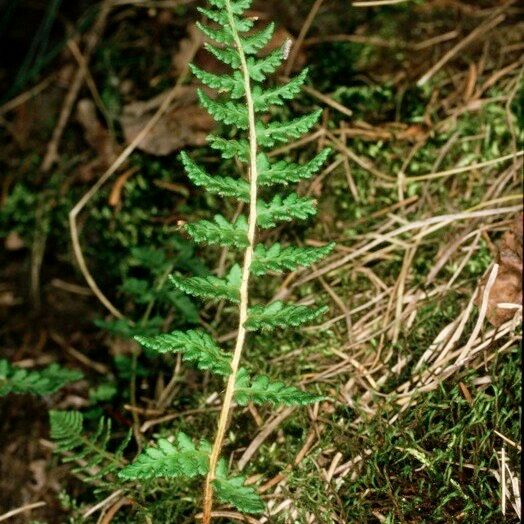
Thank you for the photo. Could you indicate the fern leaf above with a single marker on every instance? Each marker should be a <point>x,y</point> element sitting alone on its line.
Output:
<point>229,113</point>
<point>211,286</point>
<point>276,96</point>
<point>232,491</point>
<point>230,148</point>
<point>275,133</point>
<point>36,382</point>
<point>232,84</point>
<point>194,345</point>
<point>284,210</point>
<point>280,315</point>
<point>254,43</point>
<point>223,186</point>
<point>283,172</point>
<point>261,390</point>
<point>222,35</point>
<point>237,6</point>
<point>182,459</point>
<point>279,259</point>
<point>228,55</point>
<point>89,452</point>
<point>220,231</point>
<point>221,17</point>
<point>259,68</point>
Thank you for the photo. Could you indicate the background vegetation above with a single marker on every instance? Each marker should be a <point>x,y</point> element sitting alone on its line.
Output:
<point>422,106</point>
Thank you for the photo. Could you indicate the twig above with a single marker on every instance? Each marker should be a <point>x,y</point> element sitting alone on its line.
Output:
<point>73,214</point>
<point>23,509</point>
<point>300,39</point>
<point>481,29</point>
<point>92,39</point>
<point>24,97</point>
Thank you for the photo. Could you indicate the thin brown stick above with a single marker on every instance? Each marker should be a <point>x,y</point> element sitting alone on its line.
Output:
<point>73,214</point>
<point>300,39</point>
<point>480,30</point>
<point>51,155</point>
<point>22,509</point>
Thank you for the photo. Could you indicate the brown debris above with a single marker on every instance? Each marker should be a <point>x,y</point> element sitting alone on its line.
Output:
<point>185,124</point>
<point>508,285</point>
<point>95,134</point>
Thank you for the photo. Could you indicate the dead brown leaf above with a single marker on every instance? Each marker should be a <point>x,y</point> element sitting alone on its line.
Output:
<point>507,288</point>
<point>185,124</point>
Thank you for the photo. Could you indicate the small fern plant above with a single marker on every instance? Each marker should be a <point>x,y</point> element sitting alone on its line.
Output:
<point>241,102</point>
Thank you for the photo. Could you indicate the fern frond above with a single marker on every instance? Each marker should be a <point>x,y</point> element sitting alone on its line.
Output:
<point>230,148</point>
<point>222,35</point>
<point>220,231</point>
<point>237,6</point>
<point>223,186</point>
<point>242,25</point>
<point>95,462</point>
<point>231,84</point>
<point>284,173</point>
<point>210,286</point>
<point>229,113</point>
<point>259,68</point>
<point>36,382</point>
<point>227,56</point>
<point>261,390</point>
<point>274,133</point>
<point>262,99</point>
<point>195,345</point>
<point>280,315</point>
<point>279,259</point>
<point>284,209</point>
<point>182,459</point>
<point>252,44</point>
<point>232,491</point>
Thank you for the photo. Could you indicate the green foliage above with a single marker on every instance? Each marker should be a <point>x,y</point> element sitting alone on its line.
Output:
<point>282,172</point>
<point>284,209</point>
<point>261,390</point>
<point>232,491</point>
<point>95,463</point>
<point>212,287</point>
<point>220,231</point>
<point>37,382</point>
<point>194,345</point>
<point>280,315</point>
<point>182,459</point>
<point>238,47</point>
<point>278,259</point>
<point>277,133</point>
<point>223,186</point>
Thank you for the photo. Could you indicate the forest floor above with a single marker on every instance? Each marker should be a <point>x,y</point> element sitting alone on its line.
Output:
<point>423,110</point>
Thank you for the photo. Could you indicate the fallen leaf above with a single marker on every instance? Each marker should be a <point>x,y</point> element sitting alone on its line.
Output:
<point>185,124</point>
<point>507,288</point>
